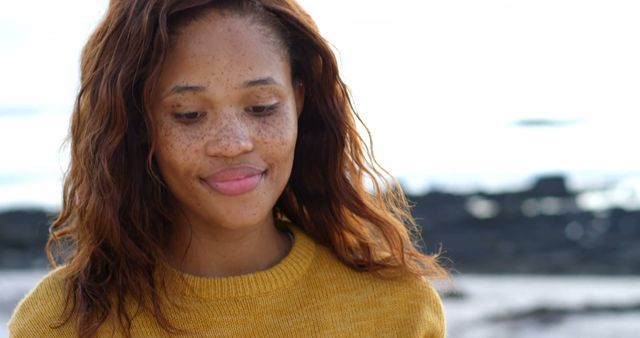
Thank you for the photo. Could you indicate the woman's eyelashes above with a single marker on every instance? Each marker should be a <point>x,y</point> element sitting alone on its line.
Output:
<point>190,117</point>
<point>263,110</point>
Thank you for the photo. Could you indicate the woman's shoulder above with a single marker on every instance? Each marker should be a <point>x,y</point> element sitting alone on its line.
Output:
<point>328,265</point>
<point>408,299</point>
<point>39,311</point>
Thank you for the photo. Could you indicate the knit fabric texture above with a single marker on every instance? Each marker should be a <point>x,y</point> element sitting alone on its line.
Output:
<point>310,293</point>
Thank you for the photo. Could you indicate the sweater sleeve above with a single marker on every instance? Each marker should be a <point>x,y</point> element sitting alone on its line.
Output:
<point>39,311</point>
<point>415,308</point>
<point>433,312</point>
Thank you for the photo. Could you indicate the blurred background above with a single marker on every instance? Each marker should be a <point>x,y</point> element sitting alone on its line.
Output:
<point>510,124</point>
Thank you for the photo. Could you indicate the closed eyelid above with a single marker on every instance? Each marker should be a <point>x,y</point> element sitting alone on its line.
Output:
<point>263,109</point>
<point>188,117</point>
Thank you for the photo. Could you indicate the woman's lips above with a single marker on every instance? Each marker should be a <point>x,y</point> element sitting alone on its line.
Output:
<point>235,180</point>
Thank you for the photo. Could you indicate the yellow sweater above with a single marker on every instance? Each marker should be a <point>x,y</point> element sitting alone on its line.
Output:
<point>308,294</point>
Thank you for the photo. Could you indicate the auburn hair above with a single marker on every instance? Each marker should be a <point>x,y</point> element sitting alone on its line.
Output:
<point>115,220</point>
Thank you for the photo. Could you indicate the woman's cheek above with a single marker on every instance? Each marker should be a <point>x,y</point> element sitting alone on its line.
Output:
<point>280,132</point>
<point>175,145</point>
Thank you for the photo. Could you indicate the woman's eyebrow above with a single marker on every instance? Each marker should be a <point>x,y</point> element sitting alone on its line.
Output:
<point>181,89</point>
<point>266,81</point>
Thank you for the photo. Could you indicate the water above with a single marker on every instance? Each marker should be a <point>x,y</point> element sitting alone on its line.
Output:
<point>13,286</point>
<point>490,306</point>
<point>544,307</point>
<point>33,159</point>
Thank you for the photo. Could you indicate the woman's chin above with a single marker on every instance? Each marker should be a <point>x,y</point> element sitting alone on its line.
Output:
<point>240,223</point>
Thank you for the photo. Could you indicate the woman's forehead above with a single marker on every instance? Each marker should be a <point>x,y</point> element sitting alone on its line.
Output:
<point>232,25</point>
<point>223,51</point>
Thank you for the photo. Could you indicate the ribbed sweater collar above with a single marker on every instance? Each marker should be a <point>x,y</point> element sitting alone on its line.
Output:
<point>288,270</point>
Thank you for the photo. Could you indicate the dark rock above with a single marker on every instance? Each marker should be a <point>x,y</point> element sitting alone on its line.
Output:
<point>23,235</point>
<point>552,314</point>
<point>557,237</point>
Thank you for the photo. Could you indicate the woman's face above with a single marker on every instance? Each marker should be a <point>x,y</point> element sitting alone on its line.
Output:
<point>226,115</point>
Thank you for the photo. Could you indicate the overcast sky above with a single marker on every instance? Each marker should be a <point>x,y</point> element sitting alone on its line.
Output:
<point>456,93</point>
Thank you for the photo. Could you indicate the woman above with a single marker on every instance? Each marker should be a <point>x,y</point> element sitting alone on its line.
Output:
<point>217,188</point>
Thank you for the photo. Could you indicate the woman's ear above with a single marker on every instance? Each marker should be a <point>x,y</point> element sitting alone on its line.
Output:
<point>298,91</point>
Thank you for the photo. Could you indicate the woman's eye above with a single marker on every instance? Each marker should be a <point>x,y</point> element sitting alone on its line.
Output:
<point>188,117</point>
<point>263,110</point>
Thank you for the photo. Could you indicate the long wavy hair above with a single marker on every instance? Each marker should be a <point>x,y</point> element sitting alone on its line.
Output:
<point>115,219</point>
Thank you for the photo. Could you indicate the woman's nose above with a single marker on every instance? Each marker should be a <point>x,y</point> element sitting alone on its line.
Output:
<point>230,137</point>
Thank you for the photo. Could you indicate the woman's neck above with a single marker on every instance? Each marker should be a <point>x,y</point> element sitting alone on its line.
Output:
<point>213,251</point>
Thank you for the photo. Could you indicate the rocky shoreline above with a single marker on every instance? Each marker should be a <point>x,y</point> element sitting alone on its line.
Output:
<point>539,230</point>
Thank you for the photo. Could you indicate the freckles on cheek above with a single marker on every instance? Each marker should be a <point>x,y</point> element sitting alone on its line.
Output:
<point>171,145</point>
<point>179,141</point>
<point>278,134</point>
<point>168,140</point>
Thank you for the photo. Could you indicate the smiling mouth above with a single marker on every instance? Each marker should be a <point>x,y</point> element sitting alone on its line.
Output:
<point>235,181</point>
